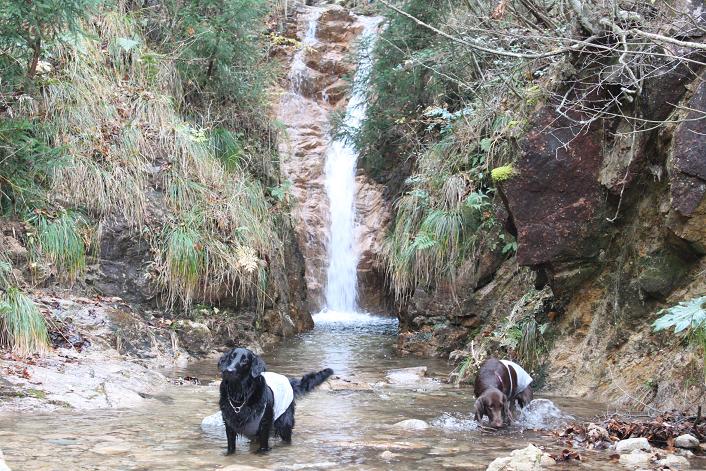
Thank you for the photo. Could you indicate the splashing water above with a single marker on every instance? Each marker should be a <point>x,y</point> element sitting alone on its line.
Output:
<point>542,414</point>
<point>341,158</point>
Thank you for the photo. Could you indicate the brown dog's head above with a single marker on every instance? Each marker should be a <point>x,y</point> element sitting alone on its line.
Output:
<point>240,363</point>
<point>495,405</point>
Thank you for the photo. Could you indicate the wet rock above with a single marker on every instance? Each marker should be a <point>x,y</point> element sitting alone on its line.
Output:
<point>636,459</point>
<point>406,376</point>
<point>241,467</point>
<point>411,424</point>
<point>336,383</point>
<point>387,455</point>
<point>596,433</point>
<point>213,425</point>
<point>632,444</point>
<point>674,462</point>
<point>194,336</point>
<point>380,445</point>
<point>111,449</point>
<point>686,441</point>
<point>3,465</point>
<point>689,148</point>
<point>530,458</point>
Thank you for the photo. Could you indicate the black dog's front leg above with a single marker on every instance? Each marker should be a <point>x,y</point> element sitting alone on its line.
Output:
<point>265,427</point>
<point>230,434</point>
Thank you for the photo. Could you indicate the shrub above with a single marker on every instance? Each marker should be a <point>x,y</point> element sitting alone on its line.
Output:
<point>687,317</point>
<point>22,326</point>
<point>25,28</point>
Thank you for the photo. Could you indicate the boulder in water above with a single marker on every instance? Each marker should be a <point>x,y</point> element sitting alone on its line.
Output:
<point>686,441</point>
<point>674,462</point>
<point>639,459</point>
<point>636,459</point>
<point>407,376</point>
<point>632,444</point>
<point>530,458</point>
<point>411,424</point>
<point>213,426</point>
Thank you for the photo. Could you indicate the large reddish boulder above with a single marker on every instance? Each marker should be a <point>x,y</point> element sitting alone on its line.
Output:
<point>555,199</point>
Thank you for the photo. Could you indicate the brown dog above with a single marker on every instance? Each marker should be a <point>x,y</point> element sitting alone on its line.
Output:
<point>499,384</point>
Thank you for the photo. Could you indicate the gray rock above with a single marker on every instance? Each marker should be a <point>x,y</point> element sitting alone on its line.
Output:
<point>674,462</point>
<point>631,444</point>
<point>530,458</point>
<point>412,424</point>
<point>636,459</point>
<point>686,441</point>
<point>387,455</point>
<point>213,425</point>
<point>407,375</point>
<point>3,465</point>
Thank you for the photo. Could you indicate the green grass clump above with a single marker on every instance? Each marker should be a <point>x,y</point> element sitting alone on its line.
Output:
<point>22,326</point>
<point>60,240</point>
<point>500,174</point>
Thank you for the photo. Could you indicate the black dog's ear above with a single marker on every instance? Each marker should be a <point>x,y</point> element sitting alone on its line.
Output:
<point>257,366</point>
<point>223,361</point>
<point>480,410</point>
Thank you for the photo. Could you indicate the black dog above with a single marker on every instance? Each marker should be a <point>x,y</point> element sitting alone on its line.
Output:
<point>253,403</point>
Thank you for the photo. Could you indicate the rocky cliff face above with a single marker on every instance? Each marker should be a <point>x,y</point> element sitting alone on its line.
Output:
<point>316,88</point>
<point>610,229</point>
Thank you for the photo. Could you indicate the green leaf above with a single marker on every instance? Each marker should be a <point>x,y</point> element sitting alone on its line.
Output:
<point>127,44</point>
<point>486,144</point>
<point>685,315</point>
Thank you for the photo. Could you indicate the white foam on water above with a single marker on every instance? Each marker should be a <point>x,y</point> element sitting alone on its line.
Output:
<point>542,414</point>
<point>328,316</point>
<point>453,423</point>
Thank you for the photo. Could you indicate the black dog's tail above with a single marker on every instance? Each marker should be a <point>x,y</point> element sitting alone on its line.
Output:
<point>309,381</point>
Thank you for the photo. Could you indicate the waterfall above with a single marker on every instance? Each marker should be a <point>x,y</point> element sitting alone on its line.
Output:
<point>341,157</point>
<point>298,67</point>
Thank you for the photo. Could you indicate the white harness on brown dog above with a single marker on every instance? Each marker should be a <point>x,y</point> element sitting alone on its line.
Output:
<point>523,378</point>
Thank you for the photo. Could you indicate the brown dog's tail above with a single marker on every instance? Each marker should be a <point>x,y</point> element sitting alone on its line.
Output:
<point>309,381</point>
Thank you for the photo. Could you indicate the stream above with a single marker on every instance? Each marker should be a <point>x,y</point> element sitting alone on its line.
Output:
<point>336,429</point>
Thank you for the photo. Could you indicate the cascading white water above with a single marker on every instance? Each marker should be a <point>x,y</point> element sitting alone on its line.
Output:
<point>296,72</point>
<point>340,170</point>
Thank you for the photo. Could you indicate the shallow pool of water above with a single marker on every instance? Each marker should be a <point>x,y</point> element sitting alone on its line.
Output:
<point>334,429</point>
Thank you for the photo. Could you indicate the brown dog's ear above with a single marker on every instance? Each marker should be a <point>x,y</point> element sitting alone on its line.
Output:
<point>257,366</point>
<point>480,410</point>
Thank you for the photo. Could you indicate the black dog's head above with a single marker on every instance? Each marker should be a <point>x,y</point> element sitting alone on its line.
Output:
<point>239,363</point>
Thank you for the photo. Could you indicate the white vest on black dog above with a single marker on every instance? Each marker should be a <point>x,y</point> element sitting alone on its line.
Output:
<point>281,390</point>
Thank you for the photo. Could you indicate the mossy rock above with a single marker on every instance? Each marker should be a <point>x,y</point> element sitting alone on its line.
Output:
<point>660,272</point>
<point>500,174</point>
